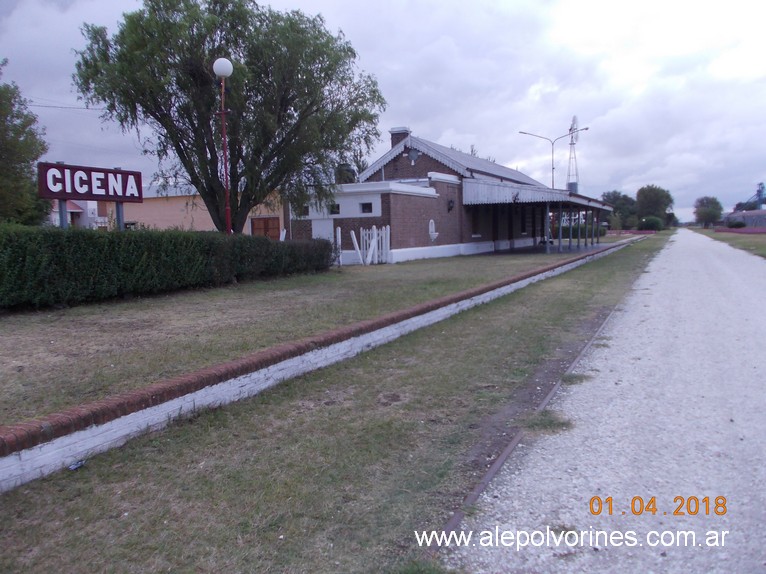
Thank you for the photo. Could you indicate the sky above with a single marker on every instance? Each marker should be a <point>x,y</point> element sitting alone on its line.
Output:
<point>673,93</point>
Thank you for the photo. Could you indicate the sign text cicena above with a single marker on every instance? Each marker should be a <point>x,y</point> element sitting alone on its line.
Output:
<point>61,181</point>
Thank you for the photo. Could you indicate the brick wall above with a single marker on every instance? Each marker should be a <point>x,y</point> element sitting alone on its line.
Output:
<point>410,216</point>
<point>301,229</point>
<point>401,168</point>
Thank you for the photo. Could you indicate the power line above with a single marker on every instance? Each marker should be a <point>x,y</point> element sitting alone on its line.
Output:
<point>66,107</point>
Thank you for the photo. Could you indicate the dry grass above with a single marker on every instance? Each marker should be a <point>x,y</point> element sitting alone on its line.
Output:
<point>574,378</point>
<point>546,421</point>
<point>752,243</point>
<point>53,359</point>
<point>330,472</point>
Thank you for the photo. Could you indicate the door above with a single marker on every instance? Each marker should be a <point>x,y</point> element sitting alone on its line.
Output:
<point>266,226</point>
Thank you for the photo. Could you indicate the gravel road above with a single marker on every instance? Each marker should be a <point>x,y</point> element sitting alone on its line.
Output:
<point>673,406</point>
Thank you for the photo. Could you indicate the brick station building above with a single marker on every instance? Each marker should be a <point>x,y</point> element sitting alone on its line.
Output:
<point>440,202</point>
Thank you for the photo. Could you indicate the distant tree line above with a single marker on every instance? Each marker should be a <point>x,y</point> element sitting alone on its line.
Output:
<point>651,208</point>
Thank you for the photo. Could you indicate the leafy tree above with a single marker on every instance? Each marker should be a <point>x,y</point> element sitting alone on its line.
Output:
<point>21,145</point>
<point>652,200</point>
<point>624,208</point>
<point>707,210</point>
<point>297,107</point>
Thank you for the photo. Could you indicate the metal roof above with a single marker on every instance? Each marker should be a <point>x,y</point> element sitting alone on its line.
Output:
<point>482,192</point>
<point>484,181</point>
<point>465,164</point>
<point>485,192</point>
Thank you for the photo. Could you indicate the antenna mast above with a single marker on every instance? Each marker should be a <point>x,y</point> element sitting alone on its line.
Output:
<point>573,176</point>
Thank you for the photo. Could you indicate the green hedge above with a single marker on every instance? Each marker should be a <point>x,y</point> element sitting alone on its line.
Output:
<point>41,267</point>
<point>651,223</point>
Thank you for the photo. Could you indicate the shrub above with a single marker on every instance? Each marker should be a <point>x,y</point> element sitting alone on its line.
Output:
<point>650,223</point>
<point>736,224</point>
<point>49,266</point>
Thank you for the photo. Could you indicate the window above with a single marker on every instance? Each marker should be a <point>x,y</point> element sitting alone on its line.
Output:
<point>365,207</point>
<point>333,209</point>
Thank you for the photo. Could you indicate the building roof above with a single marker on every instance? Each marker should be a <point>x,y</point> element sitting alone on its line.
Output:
<point>465,164</point>
<point>749,213</point>
<point>488,192</point>
<point>73,207</point>
<point>484,181</point>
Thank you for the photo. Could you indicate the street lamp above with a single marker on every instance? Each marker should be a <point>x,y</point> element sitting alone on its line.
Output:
<point>553,141</point>
<point>223,68</point>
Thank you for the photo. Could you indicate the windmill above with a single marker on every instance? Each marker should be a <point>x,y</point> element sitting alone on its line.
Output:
<point>573,177</point>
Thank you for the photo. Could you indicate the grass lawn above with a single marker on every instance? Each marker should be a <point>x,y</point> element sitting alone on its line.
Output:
<point>53,359</point>
<point>330,472</point>
<point>753,243</point>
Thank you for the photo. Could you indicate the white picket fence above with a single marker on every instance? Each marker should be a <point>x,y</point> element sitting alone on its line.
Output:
<point>374,245</point>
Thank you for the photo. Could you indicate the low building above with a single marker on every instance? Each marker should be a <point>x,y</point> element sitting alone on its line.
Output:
<point>184,209</point>
<point>752,218</point>
<point>437,202</point>
<point>171,209</point>
<point>77,213</point>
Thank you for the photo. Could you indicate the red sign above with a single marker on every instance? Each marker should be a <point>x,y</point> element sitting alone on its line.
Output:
<point>60,181</point>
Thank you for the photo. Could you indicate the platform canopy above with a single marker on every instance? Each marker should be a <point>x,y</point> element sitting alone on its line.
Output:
<point>488,192</point>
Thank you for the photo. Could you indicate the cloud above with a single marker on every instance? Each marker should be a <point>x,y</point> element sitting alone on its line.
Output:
<point>671,92</point>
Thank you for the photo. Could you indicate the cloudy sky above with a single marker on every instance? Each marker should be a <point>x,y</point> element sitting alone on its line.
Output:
<point>673,93</point>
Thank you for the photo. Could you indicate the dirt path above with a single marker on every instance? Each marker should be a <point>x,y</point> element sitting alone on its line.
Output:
<point>674,406</point>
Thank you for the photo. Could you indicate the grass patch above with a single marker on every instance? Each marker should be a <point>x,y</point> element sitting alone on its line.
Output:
<point>546,421</point>
<point>329,472</point>
<point>574,378</point>
<point>752,243</point>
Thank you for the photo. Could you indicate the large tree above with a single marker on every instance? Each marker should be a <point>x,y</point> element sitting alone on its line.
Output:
<point>652,200</point>
<point>297,105</point>
<point>21,145</point>
<point>707,210</point>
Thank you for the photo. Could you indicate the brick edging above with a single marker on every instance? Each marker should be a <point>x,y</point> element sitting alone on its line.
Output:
<point>20,436</point>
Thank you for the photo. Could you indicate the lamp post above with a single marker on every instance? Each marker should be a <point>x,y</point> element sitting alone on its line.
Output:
<point>223,68</point>
<point>553,141</point>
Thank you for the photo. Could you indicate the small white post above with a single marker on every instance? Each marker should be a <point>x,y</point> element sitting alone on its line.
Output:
<point>356,247</point>
<point>373,245</point>
<point>337,247</point>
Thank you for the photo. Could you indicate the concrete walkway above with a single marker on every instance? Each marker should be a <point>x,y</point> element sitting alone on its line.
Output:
<point>673,411</point>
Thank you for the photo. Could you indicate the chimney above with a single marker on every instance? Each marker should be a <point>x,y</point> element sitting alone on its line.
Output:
<point>398,134</point>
